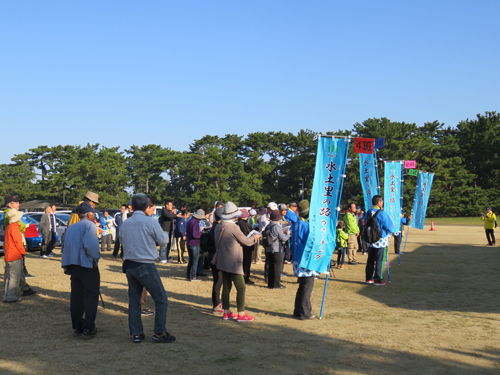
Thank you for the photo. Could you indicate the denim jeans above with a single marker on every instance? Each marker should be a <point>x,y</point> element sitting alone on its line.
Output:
<point>374,262</point>
<point>194,256</point>
<point>163,249</point>
<point>146,276</point>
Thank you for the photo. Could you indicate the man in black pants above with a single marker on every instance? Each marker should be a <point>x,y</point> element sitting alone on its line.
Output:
<point>489,225</point>
<point>80,255</point>
<point>274,253</point>
<point>167,218</point>
<point>119,217</point>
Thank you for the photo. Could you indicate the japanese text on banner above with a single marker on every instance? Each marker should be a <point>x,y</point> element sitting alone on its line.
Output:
<point>421,199</point>
<point>323,212</point>
<point>364,145</point>
<point>369,180</point>
<point>392,192</point>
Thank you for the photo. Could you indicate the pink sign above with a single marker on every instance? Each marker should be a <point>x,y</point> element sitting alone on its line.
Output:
<point>411,164</point>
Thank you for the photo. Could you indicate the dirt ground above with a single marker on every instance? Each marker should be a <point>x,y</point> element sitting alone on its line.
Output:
<point>439,315</point>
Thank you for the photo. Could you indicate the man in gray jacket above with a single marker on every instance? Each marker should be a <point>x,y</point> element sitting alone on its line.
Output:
<point>48,228</point>
<point>139,235</point>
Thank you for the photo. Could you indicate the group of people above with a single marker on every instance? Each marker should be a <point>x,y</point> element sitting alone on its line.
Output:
<point>228,238</point>
<point>350,238</point>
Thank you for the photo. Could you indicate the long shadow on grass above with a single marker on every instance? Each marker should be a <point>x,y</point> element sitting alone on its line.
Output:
<point>446,277</point>
<point>252,348</point>
<point>248,348</point>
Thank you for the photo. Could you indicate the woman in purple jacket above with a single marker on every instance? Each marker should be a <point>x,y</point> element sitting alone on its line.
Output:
<point>193,235</point>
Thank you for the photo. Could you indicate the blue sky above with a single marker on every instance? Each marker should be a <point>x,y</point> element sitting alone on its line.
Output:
<point>122,72</point>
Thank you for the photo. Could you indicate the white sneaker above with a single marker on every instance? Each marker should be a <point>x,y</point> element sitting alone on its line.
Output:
<point>163,262</point>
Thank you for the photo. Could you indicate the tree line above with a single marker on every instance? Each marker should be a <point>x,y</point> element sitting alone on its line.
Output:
<point>260,167</point>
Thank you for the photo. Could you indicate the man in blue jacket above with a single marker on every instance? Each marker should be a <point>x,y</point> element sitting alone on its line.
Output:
<point>376,250</point>
<point>80,256</point>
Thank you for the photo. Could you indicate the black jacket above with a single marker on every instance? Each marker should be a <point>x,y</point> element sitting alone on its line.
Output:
<point>167,219</point>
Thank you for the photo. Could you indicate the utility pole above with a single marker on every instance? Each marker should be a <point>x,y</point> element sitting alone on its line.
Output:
<point>302,189</point>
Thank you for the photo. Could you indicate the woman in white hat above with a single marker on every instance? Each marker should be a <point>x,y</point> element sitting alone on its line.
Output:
<point>229,260</point>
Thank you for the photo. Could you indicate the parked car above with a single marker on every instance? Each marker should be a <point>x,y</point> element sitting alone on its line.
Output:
<point>31,234</point>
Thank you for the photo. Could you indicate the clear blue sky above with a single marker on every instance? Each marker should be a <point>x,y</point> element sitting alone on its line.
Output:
<point>168,72</point>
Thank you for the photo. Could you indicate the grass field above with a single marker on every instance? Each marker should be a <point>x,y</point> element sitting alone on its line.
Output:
<point>440,314</point>
<point>469,221</point>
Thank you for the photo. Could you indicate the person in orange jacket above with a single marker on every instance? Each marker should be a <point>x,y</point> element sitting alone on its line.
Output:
<point>14,251</point>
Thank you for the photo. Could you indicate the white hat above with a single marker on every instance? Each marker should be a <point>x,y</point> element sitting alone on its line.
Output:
<point>14,215</point>
<point>252,212</point>
<point>273,206</point>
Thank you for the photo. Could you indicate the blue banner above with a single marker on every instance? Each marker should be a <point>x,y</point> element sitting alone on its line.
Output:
<point>422,193</point>
<point>369,178</point>
<point>379,143</point>
<point>325,198</point>
<point>393,192</point>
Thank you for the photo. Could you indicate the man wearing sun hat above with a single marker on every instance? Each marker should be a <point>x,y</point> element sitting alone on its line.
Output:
<point>14,251</point>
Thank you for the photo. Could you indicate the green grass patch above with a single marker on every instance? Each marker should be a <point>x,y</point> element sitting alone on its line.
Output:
<point>475,221</point>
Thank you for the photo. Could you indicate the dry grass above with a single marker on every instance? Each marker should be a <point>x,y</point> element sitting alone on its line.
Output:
<point>439,315</point>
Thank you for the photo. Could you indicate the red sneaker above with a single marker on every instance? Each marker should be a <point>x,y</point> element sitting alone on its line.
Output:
<point>230,316</point>
<point>371,281</point>
<point>379,282</point>
<point>218,308</point>
<point>245,318</point>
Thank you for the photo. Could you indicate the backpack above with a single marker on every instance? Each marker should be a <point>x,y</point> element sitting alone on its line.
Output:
<point>204,240</point>
<point>267,240</point>
<point>372,232</point>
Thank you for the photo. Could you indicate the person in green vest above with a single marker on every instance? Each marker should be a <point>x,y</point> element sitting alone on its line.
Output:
<point>352,230</point>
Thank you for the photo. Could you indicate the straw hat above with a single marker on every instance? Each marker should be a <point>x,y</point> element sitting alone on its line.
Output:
<point>92,196</point>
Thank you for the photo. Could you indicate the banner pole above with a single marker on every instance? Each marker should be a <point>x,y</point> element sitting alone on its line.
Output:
<point>401,223</point>
<point>348,139</point>
<point>376,169</point>
<point>324,293</point>
<point>387,260</point>
<point>406,240</point>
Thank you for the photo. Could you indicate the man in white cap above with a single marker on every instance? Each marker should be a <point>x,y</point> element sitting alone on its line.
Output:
<point>264,219</point>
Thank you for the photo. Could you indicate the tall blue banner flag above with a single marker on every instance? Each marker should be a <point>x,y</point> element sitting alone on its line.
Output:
<point>323,212</point>
<point>393,192</point>
<point>421,199</point>
<point>369,179</point>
